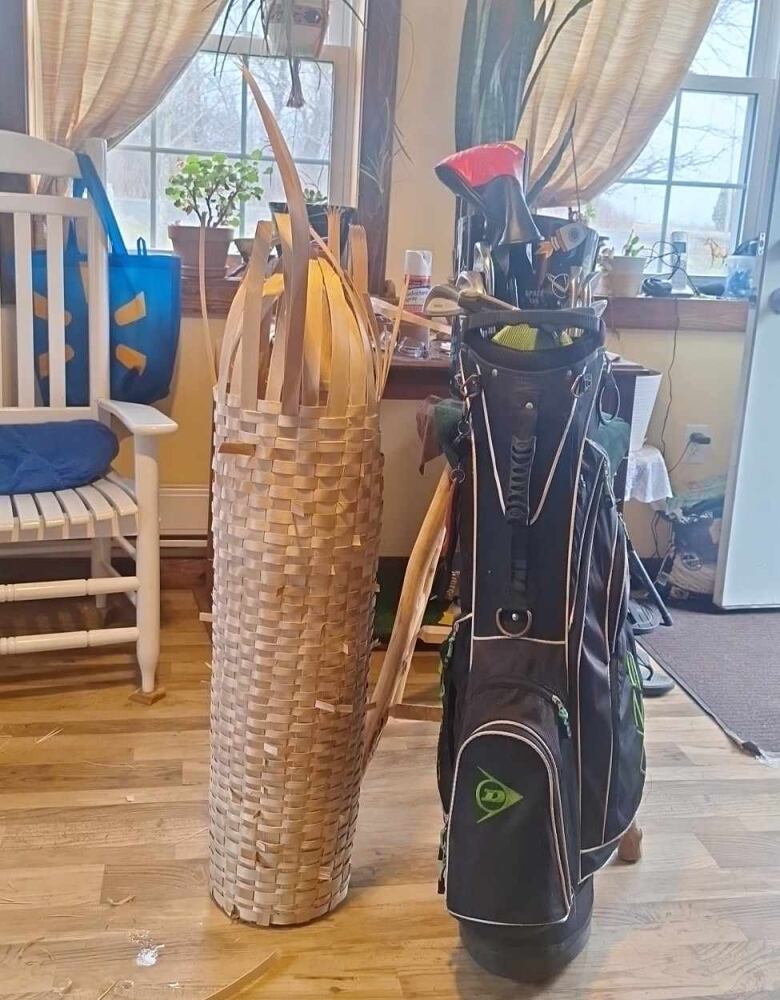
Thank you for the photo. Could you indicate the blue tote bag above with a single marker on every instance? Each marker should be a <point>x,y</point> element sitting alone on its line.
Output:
<point>144,291</point>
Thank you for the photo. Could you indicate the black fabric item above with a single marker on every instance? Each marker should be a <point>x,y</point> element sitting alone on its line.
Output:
<point>727,661</point>
<point>541,755</point>
<point>531,955</point>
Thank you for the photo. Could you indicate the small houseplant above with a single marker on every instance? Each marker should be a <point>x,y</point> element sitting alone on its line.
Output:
<point>624,271</point>
<point>212,188</point>
<point>317,207</point>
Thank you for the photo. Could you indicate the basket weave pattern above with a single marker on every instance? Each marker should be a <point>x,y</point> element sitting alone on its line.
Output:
<point>296,532</point>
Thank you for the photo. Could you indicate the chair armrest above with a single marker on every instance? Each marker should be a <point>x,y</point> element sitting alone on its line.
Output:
<point>138,418</point>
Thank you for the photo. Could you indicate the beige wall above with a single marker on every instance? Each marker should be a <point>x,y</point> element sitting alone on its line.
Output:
<point>704,383</point>
<point>422,210</point>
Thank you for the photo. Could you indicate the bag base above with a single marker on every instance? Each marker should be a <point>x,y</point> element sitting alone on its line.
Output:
<point>531,955</point>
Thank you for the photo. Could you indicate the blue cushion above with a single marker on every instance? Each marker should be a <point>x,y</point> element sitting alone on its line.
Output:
<point>35,458</point>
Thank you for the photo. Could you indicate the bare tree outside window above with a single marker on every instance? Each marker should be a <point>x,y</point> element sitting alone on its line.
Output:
<point>207,111</point>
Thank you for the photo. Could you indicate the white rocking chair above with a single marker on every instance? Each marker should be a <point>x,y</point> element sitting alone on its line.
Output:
<point>110,508</point>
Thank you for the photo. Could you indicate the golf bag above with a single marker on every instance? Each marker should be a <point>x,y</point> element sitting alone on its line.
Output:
<point>541,758</point>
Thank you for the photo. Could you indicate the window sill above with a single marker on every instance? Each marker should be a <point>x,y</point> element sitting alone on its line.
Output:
<point>708,315</point>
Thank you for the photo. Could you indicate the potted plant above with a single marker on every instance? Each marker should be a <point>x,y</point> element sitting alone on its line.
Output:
<point>317,209</point>
<point>624,271</point>
<point>212,188</point>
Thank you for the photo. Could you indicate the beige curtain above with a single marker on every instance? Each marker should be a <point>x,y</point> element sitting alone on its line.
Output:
<point>617,65</point>
<point>99,67</point>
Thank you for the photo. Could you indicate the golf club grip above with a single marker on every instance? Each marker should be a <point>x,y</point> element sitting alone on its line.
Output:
<point>555,319</point>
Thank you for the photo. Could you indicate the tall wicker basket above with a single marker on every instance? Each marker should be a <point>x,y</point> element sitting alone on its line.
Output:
<point>296,516</point>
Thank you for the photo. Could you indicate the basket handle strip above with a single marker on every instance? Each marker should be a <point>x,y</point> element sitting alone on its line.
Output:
<point>334,232</point>
<point>364,320</point>
<point>358,272</point>
<point>233,326</point>
<point>358,259</point>
<point>316,341</point>
<point>230,338</point>
<point>341,368</point>
<point>251,327</point>
<point>295,261</point>
<point>360,363</point>
<point>387,355</point>
<point>279,366</point>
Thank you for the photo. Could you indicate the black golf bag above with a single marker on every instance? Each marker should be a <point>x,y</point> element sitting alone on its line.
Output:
<point>541,758</point>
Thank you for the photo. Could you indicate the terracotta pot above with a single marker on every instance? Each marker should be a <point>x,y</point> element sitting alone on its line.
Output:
<point>186,243</point>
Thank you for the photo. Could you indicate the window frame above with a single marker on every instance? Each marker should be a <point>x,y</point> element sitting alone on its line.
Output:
<point>346,60</point>
<point>760,84</point>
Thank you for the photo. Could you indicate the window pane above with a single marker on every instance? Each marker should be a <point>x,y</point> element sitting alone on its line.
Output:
<point>653,161</point>
<point>167,164</point>
<point>710,217</point>
<point>624,207</point>
<point>203,111</point>
<point>129,188</point>
<point>141,134</point>
<point>711,140</point>
<point>725,49</point>
<point>308,129</point>
<point>237,17</point>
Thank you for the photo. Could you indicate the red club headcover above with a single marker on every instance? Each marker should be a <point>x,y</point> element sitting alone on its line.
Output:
<point>490,179</point>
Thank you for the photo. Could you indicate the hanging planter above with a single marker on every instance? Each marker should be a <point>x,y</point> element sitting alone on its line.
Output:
<point>296,29</point>
<point>292,30</point>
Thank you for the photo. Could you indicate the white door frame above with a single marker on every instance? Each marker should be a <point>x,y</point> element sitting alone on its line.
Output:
<point>748,571</point>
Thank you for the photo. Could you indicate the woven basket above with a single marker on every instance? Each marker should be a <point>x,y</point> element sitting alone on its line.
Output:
<point>296,517</point>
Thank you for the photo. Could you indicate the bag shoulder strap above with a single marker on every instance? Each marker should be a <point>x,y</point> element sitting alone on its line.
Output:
<point>91,183</point>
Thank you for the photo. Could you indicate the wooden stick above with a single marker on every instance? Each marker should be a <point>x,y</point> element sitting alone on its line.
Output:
<point>416,589</point>
<point>390,309</point>
<point>204,312</point>
<point>248,978</point>
<point>389,350</point>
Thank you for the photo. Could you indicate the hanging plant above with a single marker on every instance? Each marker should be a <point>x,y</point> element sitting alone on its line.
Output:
<point>291,29</point>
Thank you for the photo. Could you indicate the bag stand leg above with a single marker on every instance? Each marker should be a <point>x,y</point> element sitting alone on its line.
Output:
<point>630,849</point>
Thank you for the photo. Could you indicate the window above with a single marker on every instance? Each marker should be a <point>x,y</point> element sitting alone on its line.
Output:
<point>209,110</point>
<point>701,171</point>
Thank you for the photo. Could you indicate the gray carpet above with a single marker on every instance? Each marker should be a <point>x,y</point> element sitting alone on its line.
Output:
<point>729,662</point>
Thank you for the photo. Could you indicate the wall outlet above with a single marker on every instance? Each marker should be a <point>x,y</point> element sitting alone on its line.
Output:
<point>697,454</point>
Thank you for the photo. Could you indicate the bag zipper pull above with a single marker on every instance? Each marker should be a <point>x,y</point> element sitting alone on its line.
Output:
<point>563,714</point>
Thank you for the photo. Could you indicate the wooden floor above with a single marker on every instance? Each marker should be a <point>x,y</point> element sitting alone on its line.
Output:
<point>103,800</point>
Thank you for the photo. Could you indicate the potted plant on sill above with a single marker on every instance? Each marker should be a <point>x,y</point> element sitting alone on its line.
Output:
<point>317,208</point>
<point>213,188</point>
<point>624,271</point>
